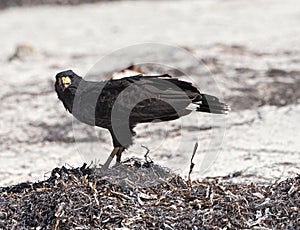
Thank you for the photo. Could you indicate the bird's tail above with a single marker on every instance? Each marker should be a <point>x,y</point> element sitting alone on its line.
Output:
<point>209,104</point>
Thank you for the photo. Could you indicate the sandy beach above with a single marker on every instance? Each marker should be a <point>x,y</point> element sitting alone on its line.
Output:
<point>251,50</point>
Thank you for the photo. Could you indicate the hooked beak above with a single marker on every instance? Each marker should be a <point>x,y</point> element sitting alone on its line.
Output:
<point>65,82</point>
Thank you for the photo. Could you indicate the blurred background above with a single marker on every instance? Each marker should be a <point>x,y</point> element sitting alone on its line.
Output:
<point>251,48</point>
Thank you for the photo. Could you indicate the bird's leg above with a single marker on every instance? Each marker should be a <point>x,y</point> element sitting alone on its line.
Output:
<point>111,157</point>
<point>119,154</point>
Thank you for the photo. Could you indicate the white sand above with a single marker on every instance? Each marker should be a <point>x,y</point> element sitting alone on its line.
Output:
<point>77,37</point>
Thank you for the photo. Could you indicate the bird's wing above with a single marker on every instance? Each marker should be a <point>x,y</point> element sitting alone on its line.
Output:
<point>147,98</point>
<point>142,98</point>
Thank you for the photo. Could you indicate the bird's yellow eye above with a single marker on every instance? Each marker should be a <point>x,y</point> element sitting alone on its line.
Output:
<point>66,81</point>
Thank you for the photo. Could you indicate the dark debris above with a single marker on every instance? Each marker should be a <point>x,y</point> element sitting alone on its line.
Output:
<point>82,198</point>
<point>20,3</point>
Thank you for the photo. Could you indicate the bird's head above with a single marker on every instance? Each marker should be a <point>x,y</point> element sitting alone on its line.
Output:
<point>67,79</point>
<point>66,86</point>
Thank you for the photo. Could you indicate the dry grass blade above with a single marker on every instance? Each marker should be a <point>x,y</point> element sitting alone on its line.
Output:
<point>192,164</point>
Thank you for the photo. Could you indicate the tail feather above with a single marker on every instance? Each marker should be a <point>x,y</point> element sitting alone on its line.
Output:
<point>211,104</point>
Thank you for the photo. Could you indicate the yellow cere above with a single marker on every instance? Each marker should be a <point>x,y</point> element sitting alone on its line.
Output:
<point>66,81</point>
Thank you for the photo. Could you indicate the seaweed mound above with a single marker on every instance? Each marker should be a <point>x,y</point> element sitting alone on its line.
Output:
<point>87,198</point>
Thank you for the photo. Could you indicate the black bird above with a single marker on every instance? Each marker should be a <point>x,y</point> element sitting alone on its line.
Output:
<point>119,105</point>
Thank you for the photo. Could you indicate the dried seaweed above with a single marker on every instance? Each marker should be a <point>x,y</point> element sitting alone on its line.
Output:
<point>86,198</point>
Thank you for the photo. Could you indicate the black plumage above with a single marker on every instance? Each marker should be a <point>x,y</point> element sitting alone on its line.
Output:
<point>119,105</point>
